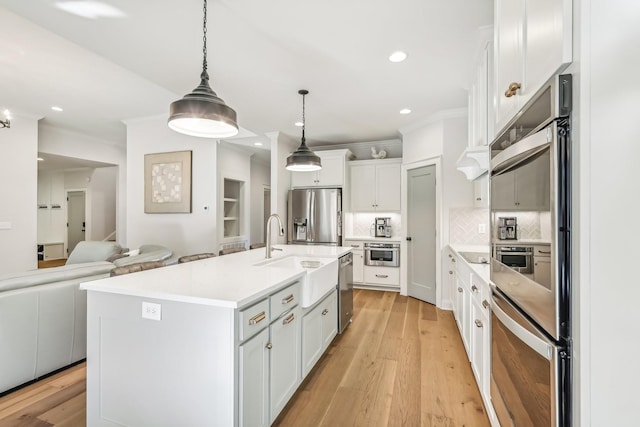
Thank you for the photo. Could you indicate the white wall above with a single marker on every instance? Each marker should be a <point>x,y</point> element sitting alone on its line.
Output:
<point>423,142</point>
<point>18,213</point>
<point>260,179</point>
<point>103,202</point>
<point>605,275</point>
<point>182,233</point>
<point>281,147</point>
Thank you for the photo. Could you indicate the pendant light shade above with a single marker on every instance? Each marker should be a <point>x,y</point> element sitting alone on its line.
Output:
<point>303,159</point>
<point>202,113</point>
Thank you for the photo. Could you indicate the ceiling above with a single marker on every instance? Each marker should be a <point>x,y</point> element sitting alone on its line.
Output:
<point>108,70</point>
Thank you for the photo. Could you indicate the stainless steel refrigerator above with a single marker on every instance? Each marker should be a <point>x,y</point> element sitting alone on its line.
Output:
<point>315,216</point>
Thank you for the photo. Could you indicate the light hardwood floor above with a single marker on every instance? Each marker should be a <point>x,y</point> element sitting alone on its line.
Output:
<point>400,363</point>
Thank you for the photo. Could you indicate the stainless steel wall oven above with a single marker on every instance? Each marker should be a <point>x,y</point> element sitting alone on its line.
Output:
<point>531,335</point>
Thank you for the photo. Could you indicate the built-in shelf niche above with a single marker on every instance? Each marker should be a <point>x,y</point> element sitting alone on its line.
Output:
<point>232,207</point>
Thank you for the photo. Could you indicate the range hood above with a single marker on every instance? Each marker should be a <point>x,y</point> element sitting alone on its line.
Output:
<point>474,162</point>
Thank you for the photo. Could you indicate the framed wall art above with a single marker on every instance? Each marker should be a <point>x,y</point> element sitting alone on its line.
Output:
<point>167,182</point>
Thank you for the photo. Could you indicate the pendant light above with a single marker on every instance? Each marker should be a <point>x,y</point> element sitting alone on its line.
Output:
<point>201,112</point>
<point>303,159</point>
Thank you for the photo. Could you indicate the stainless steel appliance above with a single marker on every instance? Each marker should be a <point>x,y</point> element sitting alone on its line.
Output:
<point>508,228</point>
<point>382,254</point>
<point>345,289</point>
<point>315,216</point>
<point>531,331</point>
<point>383,226</point>
<point>518,258</point>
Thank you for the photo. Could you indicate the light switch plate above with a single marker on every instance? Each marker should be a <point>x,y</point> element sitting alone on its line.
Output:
<point>482,228</point>
<point>151,311</point>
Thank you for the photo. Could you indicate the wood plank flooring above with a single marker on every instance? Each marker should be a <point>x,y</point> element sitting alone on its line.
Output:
<point>400,363</point>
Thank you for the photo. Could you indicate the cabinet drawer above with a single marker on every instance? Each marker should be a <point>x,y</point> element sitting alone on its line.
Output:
<point>253,319</point>
<point>284,300</point>
<point>382,275</point>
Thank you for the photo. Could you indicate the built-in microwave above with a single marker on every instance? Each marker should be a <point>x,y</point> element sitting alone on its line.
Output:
<point>382,254</point>
<point>518,258</point>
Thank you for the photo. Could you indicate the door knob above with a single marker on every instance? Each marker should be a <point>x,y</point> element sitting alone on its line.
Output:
<point>408,239</point>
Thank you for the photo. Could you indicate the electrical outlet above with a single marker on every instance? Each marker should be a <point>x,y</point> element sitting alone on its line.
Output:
<point>151,311</point>
<point>482,228</point>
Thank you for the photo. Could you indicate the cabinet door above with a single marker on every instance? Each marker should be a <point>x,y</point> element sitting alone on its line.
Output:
<point>533,185</point>
<point>387,186</point>
<point>508,68</point>
<point>548,42</point>
<point>363,188</point>
<point>332,172</point>
<point>358,266</point>
<point>304,179</point>
<point>285,360</point>
<point>311,339</point>
<point>254,381</point>
<point>503,190</point>
<point>477,343</point>
<point>329,315</point>
<point>542,271</point>
<point>481,192</point>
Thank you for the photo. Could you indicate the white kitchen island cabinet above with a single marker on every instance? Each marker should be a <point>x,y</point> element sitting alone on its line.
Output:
<point>216,342</point>
<point>319,328</point>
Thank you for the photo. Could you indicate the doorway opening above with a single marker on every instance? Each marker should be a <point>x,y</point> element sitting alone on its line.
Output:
<point>76,218</point>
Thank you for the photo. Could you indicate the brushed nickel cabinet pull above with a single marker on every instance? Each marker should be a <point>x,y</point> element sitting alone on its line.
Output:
<point>478,323</point>
<point>460,290</point>
<point>513,88</point>
<point>324,312</point>
<point>288,299</point>
<point>269,346</point>
<point>382,276</point>
<point>450,272</point>
<point>290,318</point>
<point>258,318</point>
<point>485,303</point>
<point>544,252</point>
<point>355,246</point>
<point>474,288</point>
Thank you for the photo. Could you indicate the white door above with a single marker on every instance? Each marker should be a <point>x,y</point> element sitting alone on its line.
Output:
<point>75,219</point>
<point>421,233</point>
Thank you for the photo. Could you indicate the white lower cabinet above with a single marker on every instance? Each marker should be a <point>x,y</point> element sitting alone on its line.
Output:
<point>319,328</point>
<point>254,381</point>
<point>284,360</point>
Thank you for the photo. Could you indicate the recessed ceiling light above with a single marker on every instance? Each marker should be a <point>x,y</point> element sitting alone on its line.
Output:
<point>299,124</point>
<point>398,56</point>
<point>90,9</point>
<point>56,108</point>
<point>405,111</point>
<point>258,144</point>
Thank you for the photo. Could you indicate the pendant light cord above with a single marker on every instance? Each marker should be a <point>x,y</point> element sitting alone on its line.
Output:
<point>303,119</point>
<point>205,75</point>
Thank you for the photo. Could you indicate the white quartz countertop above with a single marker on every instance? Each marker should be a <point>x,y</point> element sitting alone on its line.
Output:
<point>482,270</point>
<point>522,242</point>
<point>232,280</point>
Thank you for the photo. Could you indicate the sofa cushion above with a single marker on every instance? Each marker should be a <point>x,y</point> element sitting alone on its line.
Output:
<point>50,275</point>
<point>147,253</point>
<point>90,251</point>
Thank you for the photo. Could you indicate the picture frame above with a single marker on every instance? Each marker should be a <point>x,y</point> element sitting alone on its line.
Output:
<point>167,182</point>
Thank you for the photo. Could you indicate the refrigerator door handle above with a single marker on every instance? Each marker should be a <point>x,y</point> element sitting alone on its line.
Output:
<point>311,228</point>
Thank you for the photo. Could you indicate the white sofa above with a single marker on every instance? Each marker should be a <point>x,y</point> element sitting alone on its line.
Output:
<point>43,312</point>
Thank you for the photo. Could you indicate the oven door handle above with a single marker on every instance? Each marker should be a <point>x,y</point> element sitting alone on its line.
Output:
<point>540,346</point>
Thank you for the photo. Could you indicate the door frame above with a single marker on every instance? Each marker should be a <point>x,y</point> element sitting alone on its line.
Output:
<point>404,211</point>
<point>87,215</point>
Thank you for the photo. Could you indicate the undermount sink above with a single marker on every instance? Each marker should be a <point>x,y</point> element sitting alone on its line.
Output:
<point>321,275</point>
<point>476,257</point>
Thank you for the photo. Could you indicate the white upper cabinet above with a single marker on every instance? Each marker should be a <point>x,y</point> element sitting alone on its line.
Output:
<point>532,42</point>
<point>332,173</point>
<point>375,185</point>
<point>481,100</point>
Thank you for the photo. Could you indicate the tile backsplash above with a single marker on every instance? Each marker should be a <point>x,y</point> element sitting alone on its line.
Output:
<point>463,226</point>
<point>359,224</point>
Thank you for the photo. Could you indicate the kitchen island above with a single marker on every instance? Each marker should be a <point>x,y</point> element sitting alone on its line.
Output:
<point>220,341</point>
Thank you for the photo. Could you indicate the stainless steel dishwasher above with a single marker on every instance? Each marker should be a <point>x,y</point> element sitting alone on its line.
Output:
<point>345,288</point>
